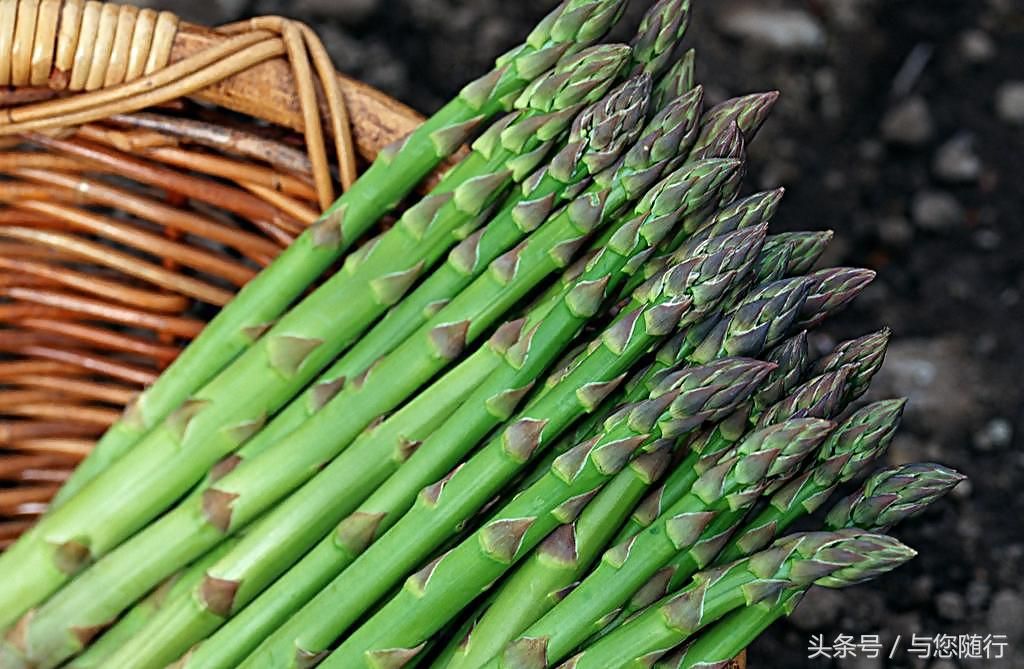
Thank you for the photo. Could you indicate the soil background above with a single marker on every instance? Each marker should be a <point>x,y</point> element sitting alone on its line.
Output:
<point>901,127</point>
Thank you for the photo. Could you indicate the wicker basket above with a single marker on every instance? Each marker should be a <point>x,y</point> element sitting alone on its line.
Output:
<point>148,169</point>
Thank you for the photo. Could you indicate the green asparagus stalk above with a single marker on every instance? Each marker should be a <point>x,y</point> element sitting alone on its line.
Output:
<point>755,209</point>
<point>248,489</point>
<point>848,451</point>
<point>805,248</point>
<point>787,254</point>
<point>891,495</point>
<point>742,474</point>
<point>685,399</point>
<point>751,211</point>
<point>179,585</point>
<point>661,29</point>
<point>838,451</point>
<point>377,454</point>
<point>866,353</point>
<point>671,131</point>
<point>200,437</point>
<point>574,25</point>
<point>832,290</point>
<point>901,493</point>
<point>682,293</point>
<point>543,577</point>
<point>792,360</point>
<point>748,112</point>
<point>677,80</point>
<point>727,142</point>
<point>791,564</point>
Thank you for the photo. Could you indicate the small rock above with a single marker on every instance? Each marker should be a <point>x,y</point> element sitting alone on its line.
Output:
<point>956,161</point>
<point>951,606</point>
<point>1010,102</point>
<point>996,434</point>
<point>789,30</point>
<point>908,123</point>
<point>943,383</point>
<point>922,588</point>
<point>978,592</point>
<point>1006,616</point>
<point>871,150</point>
<point>819,609</point>
<point>977,46</point>
<point>988,239</point>
<point>936,210</point>
<point>895,231</point>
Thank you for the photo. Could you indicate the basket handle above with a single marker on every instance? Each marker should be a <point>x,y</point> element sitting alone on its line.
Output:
<point>118,59</point>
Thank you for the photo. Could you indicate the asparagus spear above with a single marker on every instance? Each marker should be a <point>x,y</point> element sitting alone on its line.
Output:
<point>791,357</point>
<point>543,577</point>
<point>908,491</point>
<point>754,210</point>
<point>684,399</point>
<point>661,29</point>
<point>248,489</point>
<point>544,334</point>
<point>866,353</point>
<point>230,408</point>
<point>818,398</point>
<point>790,565</point>
<point>832,290</point>
<point>179,585</point>
<point>748,112</point>
<point>846,453</point>
<point>805,248</point>
<point>742,474</point>
<point>678,79</point>
<point>891,495</point>
<point>855,444</point>
<point>572,26</point>
<point>683,292</point>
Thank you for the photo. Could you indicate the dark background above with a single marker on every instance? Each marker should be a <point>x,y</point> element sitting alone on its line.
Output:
<point>901,127</point>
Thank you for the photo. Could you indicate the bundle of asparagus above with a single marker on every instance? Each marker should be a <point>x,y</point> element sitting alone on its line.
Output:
<point>446,455</point>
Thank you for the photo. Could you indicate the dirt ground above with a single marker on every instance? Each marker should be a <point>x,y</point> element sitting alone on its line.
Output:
<point>901,127</point>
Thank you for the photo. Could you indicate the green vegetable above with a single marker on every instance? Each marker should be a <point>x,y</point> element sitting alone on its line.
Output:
<point>683,292</point>
<point>891,495</point>
<point>761,460</point>
<point>848,451</point>
<point>792,564</point>
<point>682,400</point>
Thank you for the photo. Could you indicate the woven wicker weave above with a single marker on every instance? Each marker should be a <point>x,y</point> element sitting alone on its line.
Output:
<point>148,169</point>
